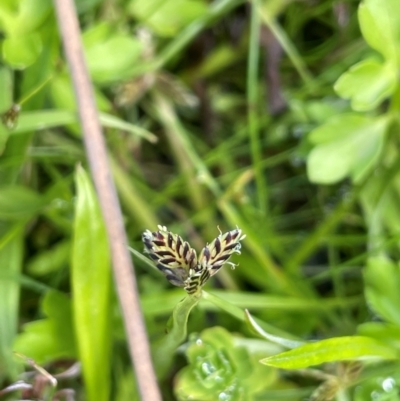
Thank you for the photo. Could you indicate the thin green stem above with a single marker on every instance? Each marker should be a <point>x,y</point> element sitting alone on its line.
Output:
<point>35,90</point>
<point>288,46</point>
<point>164,350</point>
<point>216,10</point>
<point>315,239</point>
<point>132,199</point>
<point>395,101</point>
<point>240,314</point>
<point>252,102</point>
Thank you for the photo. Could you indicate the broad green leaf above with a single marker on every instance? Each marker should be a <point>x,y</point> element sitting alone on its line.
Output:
<point>91,285</point>
<point>18,202</point>
<point>11,256</point>
<point>162,16</point>
<point>97,33</point>
<point>22,51</point>
<point>346,145</point>
<point>367,84</point>
<point>177,332</point>
<point>25,17</point>
<point>382,283</point>
<point>52,338</point>
<point>380,26</point>
<point>331,350</point>
<point>122,52</point>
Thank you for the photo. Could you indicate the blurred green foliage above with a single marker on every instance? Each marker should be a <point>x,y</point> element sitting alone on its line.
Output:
<point>276,116</point>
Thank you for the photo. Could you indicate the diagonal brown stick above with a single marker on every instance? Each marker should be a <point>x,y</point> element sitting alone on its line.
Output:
<point>98,161</point>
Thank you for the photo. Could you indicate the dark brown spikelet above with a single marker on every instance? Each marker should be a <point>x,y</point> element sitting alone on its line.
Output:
<point>173,256</point>
<point>216,254</point>
<point>178,261</point>
<point>196,281</point>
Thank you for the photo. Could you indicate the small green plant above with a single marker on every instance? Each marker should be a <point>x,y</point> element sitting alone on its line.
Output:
<point>221,367</point>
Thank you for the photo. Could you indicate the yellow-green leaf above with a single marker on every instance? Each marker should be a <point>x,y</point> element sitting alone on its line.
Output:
<point>91,281</point>
<point>331,350</point>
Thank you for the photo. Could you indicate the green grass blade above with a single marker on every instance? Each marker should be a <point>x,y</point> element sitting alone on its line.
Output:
<point>252,103</point>
<point>42,119</point>
<point>284,342</point>
<point>288,46</point>
<point>330,350</point>
<point>91,284</point>
<point>240,314</point>
<point>11,255</point>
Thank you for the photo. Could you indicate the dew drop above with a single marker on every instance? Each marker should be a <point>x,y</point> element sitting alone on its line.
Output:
<point>207,368</point>
<point>224,397</point>
<point>388,384</point>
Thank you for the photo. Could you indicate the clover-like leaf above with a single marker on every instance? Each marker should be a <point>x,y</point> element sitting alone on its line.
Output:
<point>380,26</point>
<point>367,84</point>
<point>346,145</point>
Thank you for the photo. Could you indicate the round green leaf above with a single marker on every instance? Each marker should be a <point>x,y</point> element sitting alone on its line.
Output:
<point>347,145</point>
<point>367,84</point>
<point>111,60</point>
<point>22,51</point>
<point>380,26</point>
<point>162,16</point>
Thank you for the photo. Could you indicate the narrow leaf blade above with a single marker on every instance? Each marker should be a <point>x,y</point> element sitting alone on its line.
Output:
<point>91,282</point>
<point>330,350</point>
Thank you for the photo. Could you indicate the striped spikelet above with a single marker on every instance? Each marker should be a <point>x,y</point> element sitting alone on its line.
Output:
<point>178,261</point>
<point>216,254</point>
<point>173,256</point>
<point>196,281</point>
